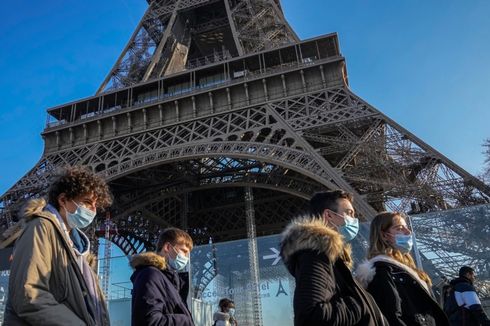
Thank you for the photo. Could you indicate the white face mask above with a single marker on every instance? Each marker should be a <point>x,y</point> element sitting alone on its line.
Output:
<point>350,228</point>
<point>180,262</point>
<point>81,218</point>
<point>403,242</point>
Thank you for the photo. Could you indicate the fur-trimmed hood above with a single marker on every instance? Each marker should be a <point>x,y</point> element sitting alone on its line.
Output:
<point>366,271</point>
<point>148,259</point>
<point>312,233</point>
<point>35,208</point>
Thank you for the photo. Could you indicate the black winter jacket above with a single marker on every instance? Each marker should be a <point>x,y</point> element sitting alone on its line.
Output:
<point>470,311</point>
<point>401,295</point>
<point>326,293</point>
<point>159,294</point>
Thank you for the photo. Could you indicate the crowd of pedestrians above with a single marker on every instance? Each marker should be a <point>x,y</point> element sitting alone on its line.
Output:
<point>52,280</point>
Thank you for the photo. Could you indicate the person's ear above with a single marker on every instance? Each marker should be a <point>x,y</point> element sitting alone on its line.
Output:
<point>385,236</point>
<point>326,215</point>
<point>62,200</point>
<point>168,247</point>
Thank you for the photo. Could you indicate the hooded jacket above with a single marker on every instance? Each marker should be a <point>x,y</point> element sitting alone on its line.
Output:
<point>222,319</point>
<point>471,311</point>
<point>403,297</point>
<point>325,293</point>
<point>46,284</point>
<point>159,293</point>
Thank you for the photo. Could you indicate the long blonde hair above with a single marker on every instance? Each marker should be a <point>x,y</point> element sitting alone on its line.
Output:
<point>379,246</point>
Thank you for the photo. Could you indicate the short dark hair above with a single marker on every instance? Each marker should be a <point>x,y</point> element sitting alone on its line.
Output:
<point>226,303</point>
<point>465,270</point>
<point>174,236</point>
<point>327,200</point>
<point>74,181</point>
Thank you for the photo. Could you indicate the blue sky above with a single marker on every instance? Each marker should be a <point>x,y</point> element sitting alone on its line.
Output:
<point>426,64</point>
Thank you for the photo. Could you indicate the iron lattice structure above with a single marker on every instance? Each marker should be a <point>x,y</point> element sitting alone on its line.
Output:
<point>466,230</point>
<point>210,98</point>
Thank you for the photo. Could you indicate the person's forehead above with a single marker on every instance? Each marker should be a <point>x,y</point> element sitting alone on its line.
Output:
<point>87,197</point>
<point>398,220</point>
<point>344,204</point>
<point>182,246</point>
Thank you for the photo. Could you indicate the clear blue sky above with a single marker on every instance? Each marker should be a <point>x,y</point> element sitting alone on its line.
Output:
<point>426,64</point>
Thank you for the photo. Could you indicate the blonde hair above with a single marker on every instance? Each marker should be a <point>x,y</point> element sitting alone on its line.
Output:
<point>379,246</point>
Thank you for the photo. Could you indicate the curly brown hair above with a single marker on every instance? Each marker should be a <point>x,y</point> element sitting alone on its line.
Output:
<point>74,181</point>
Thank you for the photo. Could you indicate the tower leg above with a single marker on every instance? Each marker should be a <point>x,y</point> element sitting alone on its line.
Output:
<point>253,256</point>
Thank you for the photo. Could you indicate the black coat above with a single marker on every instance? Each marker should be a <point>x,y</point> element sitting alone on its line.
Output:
<point>159,294</point>
<point>400,294</point>
<point>325,293</point>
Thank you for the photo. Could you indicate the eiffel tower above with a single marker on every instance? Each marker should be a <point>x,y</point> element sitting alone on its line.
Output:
<point>216,106</point>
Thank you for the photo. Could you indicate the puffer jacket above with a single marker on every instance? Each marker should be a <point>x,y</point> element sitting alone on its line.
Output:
<point>46,285</point>
<point>402,296</point>
<point>326,293</point>
<point>159,293</point>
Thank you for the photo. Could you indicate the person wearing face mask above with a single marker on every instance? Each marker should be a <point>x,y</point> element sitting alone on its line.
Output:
<point>161,283</point>
<point>226,314</point>
<point>51,282</point>
<point>316,252</point>
<point>401,290</point>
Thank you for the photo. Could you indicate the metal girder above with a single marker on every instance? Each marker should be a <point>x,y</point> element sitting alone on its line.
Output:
<point>259,24</point>
<point>151,187</point>
<point>204,273</point>
<point>454,238</point>
<point>154,42</point>
<point>289,132</point>
<point>222,213</point>
<point>130,245</point>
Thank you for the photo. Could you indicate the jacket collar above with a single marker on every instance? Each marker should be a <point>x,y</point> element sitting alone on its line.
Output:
<point>460,279</point>
<point>148,259</point>
<point>312,233</point>
<point>35,208</point>
<point>32,209</point>
<point>366,271</point>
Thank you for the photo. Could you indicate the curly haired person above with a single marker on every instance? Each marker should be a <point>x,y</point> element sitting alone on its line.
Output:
<point>51,282</point>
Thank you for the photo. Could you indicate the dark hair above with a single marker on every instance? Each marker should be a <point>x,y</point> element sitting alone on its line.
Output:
<point>465,270</point>
<point>74,181</point>
<point>174,236</point>
<point>226,303</point>
<point>327,200</point>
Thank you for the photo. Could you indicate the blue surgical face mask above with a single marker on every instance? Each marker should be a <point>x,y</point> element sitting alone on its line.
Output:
<point>178,263</point>
<point>81,218</point>
<point>403,242</point>
<point>232,311</point>
<point>350,228</point>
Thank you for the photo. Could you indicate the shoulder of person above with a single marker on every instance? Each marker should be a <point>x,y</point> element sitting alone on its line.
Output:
<point>311,234</point>
<point>148,259</point>
<point>368,269</point>
<point>464,287</point>
<point>218,315</point>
